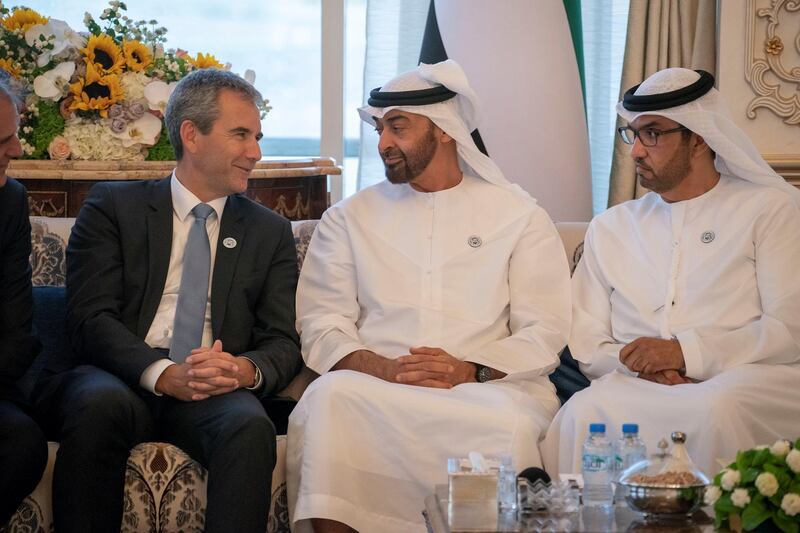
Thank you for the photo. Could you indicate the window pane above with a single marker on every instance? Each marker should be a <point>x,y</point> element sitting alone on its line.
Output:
<point>355,44</point>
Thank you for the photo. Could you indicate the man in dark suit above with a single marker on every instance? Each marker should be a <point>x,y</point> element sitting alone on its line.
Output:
<point>23,448</point>
<point>167,354</point>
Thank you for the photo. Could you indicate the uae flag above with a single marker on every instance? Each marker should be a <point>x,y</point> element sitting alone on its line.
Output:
<point>519,58</point>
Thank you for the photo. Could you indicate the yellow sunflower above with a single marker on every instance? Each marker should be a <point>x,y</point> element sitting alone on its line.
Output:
<point>104,54</point>
<point>22,19</point>
<point>10,67</point>
<point>96,91</point>
<point>204,61</point>
<point>137,55</point>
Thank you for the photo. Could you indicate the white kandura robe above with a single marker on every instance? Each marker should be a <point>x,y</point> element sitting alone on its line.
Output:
<point>391,268</point>
<point>717,272</point>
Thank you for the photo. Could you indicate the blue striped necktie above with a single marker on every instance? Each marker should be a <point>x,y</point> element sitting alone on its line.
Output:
<point>190,313</point>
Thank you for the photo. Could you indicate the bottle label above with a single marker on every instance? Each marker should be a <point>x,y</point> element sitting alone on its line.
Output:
<point>595,463</point>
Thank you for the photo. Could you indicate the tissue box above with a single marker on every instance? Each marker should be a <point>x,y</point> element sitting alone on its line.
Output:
<point>473,495</point>
<point>467,486</point>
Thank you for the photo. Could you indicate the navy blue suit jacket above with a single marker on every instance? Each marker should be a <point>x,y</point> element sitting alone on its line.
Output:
<point>17,346</point>
<point>117,262</point>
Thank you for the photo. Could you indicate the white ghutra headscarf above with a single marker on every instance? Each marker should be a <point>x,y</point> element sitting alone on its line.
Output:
<point>709,117</point>
<point>457,115</point>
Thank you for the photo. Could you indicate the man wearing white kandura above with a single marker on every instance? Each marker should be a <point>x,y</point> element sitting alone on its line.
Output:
<point>686,302</point>
<point>434,305</point>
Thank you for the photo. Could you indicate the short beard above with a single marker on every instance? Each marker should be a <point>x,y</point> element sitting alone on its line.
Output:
<point>671,174</point>
<point>414,162</point>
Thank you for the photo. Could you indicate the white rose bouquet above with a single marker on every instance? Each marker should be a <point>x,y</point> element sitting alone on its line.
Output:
<point>98,94</point>
<point>761,486</point>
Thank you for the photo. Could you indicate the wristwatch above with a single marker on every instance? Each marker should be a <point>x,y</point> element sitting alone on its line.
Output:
<point>482,373</point>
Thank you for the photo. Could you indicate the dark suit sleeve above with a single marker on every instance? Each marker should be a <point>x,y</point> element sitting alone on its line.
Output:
<point>17,346</point>
<point>276,345</point>
<point>95,292</point>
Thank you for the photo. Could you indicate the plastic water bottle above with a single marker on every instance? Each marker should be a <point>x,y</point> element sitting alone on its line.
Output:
<point>507,484</point>
<point>597,465</point>
<point>628,450</point>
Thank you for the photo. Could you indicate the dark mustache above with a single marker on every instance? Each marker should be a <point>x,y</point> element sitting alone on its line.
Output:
<point>391,152</point>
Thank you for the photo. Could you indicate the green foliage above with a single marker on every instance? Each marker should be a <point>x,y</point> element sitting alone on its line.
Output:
<point>787,523</point>
<point>744,460</point>
<point>162,150</point>
<point>763,456</point>
<point>755,513</point>
<point>46,126</point>
<point>724,505</point>
<point>751,464</point>
<point>749,475</point>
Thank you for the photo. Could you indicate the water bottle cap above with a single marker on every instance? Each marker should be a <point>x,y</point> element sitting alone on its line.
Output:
<point>630,428</point>
<point>597,428</point>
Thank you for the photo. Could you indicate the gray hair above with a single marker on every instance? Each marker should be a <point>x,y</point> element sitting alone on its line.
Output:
<point>195,98</point>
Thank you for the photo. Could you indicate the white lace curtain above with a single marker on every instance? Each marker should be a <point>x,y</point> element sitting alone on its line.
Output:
<point>604,26</point>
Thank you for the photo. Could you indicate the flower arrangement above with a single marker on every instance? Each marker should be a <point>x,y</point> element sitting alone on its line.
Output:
<point>99,94</point>
<point>762,485</point>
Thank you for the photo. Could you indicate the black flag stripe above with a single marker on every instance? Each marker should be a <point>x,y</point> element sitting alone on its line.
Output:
<point>433,51</point>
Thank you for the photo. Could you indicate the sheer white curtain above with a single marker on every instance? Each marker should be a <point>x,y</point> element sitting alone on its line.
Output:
<point>394,38</point>
<point>604,30</point>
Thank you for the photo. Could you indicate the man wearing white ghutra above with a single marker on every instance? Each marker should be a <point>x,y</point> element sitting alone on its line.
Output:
<point>434,304</point>
<point>686,303</point>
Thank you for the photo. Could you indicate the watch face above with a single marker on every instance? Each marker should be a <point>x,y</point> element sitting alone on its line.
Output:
<point>484,374</point>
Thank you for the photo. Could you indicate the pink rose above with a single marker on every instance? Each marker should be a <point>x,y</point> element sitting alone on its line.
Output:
<point>59,148</point>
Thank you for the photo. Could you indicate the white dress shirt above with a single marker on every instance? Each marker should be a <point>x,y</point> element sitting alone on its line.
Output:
<point>160,333</point>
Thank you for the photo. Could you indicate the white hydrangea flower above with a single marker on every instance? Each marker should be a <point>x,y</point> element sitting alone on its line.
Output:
<point>713,494</point>
<point>133,84</point>
<point>740,498</point>
<point>791,504</point>
<point>780,448</point>
<point>793,460</point>
<point>767,484</point>
<point>730,478</point>
<point>761,447</point>
<point>89,140</point>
